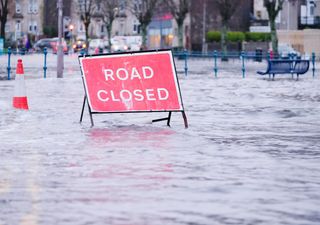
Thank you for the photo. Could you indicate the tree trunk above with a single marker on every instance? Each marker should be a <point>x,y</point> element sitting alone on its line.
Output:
<point>109,29</point>
<point>180,36</point>
<point>224,42</point>
<point>274,37</point>
<point>144,36</point>
<point>86,27</point>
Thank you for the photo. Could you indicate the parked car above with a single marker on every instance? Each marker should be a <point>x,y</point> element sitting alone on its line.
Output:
<point>134,47</point>
<point>54,45</point>
<point>286,51</point>
<point>118,45</point>
<point>43,43</point>
<point>96,46</point>
<point>78,45</point>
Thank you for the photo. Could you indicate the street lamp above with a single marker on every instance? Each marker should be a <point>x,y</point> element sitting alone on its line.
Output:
<point>71,27</point>
<point>60,47</point>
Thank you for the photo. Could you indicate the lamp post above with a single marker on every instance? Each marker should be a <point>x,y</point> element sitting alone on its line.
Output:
<point>204,49</point>
<point>60,47</point>
<point>71,27</point>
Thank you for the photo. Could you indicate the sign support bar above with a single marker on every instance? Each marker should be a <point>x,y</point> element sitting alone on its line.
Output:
<point>82,111</point>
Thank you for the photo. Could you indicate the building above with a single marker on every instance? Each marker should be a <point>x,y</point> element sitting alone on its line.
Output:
<point>24,21</point>
<point>295,15</point>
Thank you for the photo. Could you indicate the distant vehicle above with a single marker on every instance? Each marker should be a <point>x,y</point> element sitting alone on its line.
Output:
<point>43,43</point>
<point>134,47</point>
<point>78,45</point>
<point>118,45</point>
<point>96,46</point>
<point>54,45</point>
<point>286,51</point>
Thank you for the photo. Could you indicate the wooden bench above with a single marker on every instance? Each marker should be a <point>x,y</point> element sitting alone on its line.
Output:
<point>286,66</point>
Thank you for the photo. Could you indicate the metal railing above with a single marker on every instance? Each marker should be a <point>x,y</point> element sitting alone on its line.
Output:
<point>216,56</point>
<point>243,56</point>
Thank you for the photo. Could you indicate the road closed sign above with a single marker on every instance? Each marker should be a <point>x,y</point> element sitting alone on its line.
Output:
<point>131,82</point>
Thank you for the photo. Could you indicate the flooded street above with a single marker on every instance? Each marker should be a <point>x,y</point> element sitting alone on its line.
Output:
<point>251,154</point>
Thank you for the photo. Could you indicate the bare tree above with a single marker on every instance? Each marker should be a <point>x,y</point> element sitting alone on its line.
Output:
<point>86,10</point>
<point>143,10</point>
<point>109,9</point>
<point>179,9</point>
<point>3,17</point>
<point>226,9</point>
<point>273,8</point>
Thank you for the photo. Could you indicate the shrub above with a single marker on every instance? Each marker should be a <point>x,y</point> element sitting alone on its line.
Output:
<point>235,36</point>
<point>257,36</point>
<point>213,36</point>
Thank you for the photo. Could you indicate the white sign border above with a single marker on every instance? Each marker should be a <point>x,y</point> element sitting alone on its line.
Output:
<point>132,54</point>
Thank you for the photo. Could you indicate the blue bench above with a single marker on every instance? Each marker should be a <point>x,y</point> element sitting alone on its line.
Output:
<point>286,66</point>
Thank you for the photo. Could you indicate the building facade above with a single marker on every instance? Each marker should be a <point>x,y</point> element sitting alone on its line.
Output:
<point>36,19</point>
<point>24,20</point>
<point>295,15</point>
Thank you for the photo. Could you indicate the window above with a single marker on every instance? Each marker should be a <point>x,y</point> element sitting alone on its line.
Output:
<point>18,6</point>
<point>136,27</point>
<point>137,6</point>
<point>311,10</point>
<point>33,6</point>
<point>18,26</point>
<point>81,5</point>
<point>102,28</point>
<point>33,26</point>
<point>7,28</point>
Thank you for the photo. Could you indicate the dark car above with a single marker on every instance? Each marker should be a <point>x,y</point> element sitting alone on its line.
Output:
<point>78,45</point>
<point>42,43</point>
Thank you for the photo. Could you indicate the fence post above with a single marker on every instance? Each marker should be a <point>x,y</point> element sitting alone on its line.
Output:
<point>9,67</point>
<point>243,66</point>
<point>215,55</point>
<point>313,63</point>
<point>82,52</point>
<point>185,63</point>
<point>45,52</point>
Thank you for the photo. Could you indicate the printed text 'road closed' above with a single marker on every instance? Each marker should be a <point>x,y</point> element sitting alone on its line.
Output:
<point>131,82</point>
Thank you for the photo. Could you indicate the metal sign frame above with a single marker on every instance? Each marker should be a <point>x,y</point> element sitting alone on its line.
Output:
<point>168,118</point>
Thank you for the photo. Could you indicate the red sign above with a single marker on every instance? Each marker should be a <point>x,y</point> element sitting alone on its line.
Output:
<point>142,81</point>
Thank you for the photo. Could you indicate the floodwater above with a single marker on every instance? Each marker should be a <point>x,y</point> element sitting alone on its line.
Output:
<point>251,154</point>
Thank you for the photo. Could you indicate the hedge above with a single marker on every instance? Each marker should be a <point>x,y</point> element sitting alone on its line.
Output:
<point>235,36</point>
<point>213,36</point>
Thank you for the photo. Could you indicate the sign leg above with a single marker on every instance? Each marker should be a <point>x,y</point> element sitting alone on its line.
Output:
<point>169,118</point>
<point>84,102</point>
<point>185,119</point>
<point>90,113</point>
<point>162,119</point>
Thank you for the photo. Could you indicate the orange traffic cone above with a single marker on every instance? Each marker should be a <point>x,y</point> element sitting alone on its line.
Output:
<point>20,100</point>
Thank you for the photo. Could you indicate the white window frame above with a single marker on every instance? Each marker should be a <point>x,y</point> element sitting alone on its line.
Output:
<point>33,6</point>
<point>18,6</point>
<point>18,26</point>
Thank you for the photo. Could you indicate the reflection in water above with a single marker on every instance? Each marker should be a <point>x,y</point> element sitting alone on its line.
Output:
<point>133,136</point>
<point>133,141</point>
